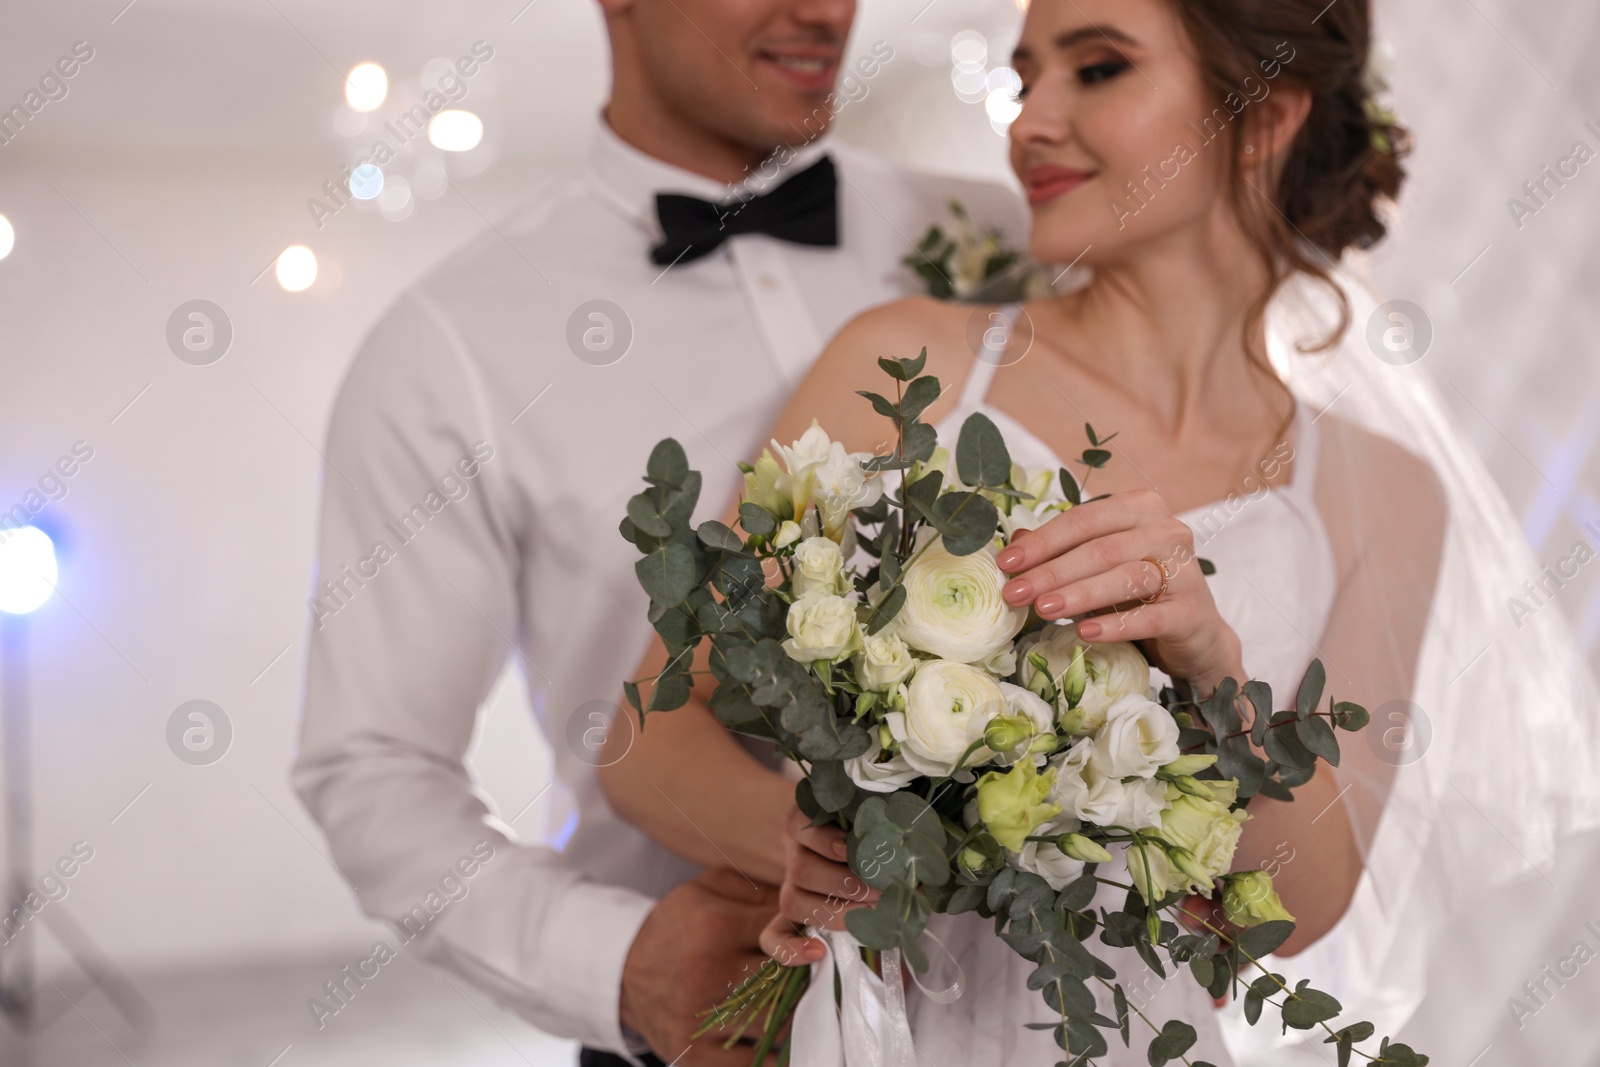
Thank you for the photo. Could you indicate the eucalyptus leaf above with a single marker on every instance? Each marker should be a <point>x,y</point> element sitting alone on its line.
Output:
<point>756,520</point>
<point>981,456</point>
<point>1310,692</point>
<point>919,394</point>
<point>668,465</point>
<point>669,573</point>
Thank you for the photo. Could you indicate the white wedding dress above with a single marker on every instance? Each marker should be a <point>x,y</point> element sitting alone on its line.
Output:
<point>1274,584</point>
<point>1389,555</point>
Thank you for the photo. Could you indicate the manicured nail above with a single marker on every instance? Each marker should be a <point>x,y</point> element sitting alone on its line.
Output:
<point>815,950</point>
<point>1018,591</point>
<point>840,850</point>
<point>1010,559</point>
<point>1050,605</point>
<point>1089,630</point>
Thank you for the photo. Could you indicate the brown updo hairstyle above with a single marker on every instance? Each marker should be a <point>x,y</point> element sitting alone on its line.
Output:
<point>1345,160</point>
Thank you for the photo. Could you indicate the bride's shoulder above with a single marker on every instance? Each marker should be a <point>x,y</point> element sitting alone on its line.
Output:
<point>849,364</point>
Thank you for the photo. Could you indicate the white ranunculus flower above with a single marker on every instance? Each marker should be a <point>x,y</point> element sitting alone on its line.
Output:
<point>1138,737</point>
<point>819,568</point>
<point>1046,860</point>
<point>953,606</point>
<point>822,627</point>
<point>1083,788</point>
<point>876,774</point>
<point>1115,669</point>
<point>884,661</point>
<point>948,707</point>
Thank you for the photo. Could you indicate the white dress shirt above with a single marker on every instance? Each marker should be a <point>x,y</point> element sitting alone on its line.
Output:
<point>477,472</point>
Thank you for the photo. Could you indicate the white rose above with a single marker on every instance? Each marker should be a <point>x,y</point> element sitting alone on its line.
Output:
<point>884,661</point>
<point>1115,669</point>
<point>822,627</point>
<point>1083,788</point>
<point>878,775</point>
<point>818,567</point>
<point>948,707</point>
<point>953,607</point>
<point>1046,860</point>
<point>1138,737</point>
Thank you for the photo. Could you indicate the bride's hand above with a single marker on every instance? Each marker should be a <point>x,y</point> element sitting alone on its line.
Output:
<point>818,888</point>
<point>1092,560</point>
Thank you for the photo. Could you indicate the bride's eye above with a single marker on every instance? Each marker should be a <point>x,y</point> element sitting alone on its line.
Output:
<point>1095,73</point>
<point>1020,94</point>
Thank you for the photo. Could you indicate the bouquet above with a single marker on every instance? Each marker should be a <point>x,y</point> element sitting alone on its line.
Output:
<point>978,758</point>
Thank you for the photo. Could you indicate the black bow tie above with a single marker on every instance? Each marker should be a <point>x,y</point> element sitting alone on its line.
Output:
<point>804,210</point>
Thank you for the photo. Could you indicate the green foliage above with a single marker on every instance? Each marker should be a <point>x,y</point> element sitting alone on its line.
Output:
<point>709,583</point>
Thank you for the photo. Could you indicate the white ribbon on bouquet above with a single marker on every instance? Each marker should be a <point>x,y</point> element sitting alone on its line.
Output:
<point>868,1027</point>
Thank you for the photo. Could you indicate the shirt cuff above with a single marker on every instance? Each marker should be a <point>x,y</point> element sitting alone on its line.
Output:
<point>588,934</point>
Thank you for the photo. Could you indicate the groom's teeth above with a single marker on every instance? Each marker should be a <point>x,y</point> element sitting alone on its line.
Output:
<point>804,66</point>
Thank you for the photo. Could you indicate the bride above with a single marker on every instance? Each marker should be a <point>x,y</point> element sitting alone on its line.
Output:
<point>1205,162</point>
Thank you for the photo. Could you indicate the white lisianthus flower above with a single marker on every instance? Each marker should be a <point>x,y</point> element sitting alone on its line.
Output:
<point>1046,860</point>
<point>1152,873</point>
<point>884,661</point>
<point>877,773</point>
<point>969,261</point>
<point>1025,706</point>
<point>822,627</point>
<point>788,534</point>
<point>948,707</point>
<point>1138,737</point>
<point>1208,830</point>
<point>819,568</point>
<point>1115,669</point>
<point>953,607</point>
<point>1084,789</point>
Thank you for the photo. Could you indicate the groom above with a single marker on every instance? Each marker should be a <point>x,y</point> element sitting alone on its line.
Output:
<point>678,281</point>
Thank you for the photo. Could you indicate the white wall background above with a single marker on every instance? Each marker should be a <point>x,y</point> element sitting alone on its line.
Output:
<point>180,164</point>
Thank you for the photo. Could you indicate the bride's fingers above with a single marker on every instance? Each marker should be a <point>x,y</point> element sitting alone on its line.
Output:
<point>1139,580</point>
<point>1167,539</point>
<point>1082,524</point>
<point>780,941</point>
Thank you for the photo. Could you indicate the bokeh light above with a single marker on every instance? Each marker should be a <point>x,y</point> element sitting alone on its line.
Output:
<point>366,181</point>
<point>297,268</point>
<point>27,569</point>
<point>454,130</point>
<point>366,87</point>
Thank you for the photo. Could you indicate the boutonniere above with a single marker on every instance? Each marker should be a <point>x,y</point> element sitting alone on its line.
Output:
<point>978,266</point>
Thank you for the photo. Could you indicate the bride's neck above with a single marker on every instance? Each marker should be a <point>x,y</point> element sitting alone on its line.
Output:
<point>1166,325</point>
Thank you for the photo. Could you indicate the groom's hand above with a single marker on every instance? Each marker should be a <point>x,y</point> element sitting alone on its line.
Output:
<point>700,941</point>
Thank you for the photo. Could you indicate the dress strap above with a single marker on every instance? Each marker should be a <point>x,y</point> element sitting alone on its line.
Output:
<point>996,336</point>
<point>1307,448</point>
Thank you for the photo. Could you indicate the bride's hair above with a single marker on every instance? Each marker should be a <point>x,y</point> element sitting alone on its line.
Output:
<point>1346,160</point>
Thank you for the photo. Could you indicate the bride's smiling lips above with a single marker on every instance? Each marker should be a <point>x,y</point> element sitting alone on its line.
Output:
<point>810,68</point>
<point>1046,181</point>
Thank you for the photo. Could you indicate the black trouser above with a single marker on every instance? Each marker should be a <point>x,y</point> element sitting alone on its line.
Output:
<point>591,1058</point>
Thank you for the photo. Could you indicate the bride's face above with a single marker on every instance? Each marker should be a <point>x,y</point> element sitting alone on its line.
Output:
<point>1111,89</point>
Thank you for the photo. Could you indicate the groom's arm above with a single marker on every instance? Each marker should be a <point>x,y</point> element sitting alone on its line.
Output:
<point>413,617</point>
